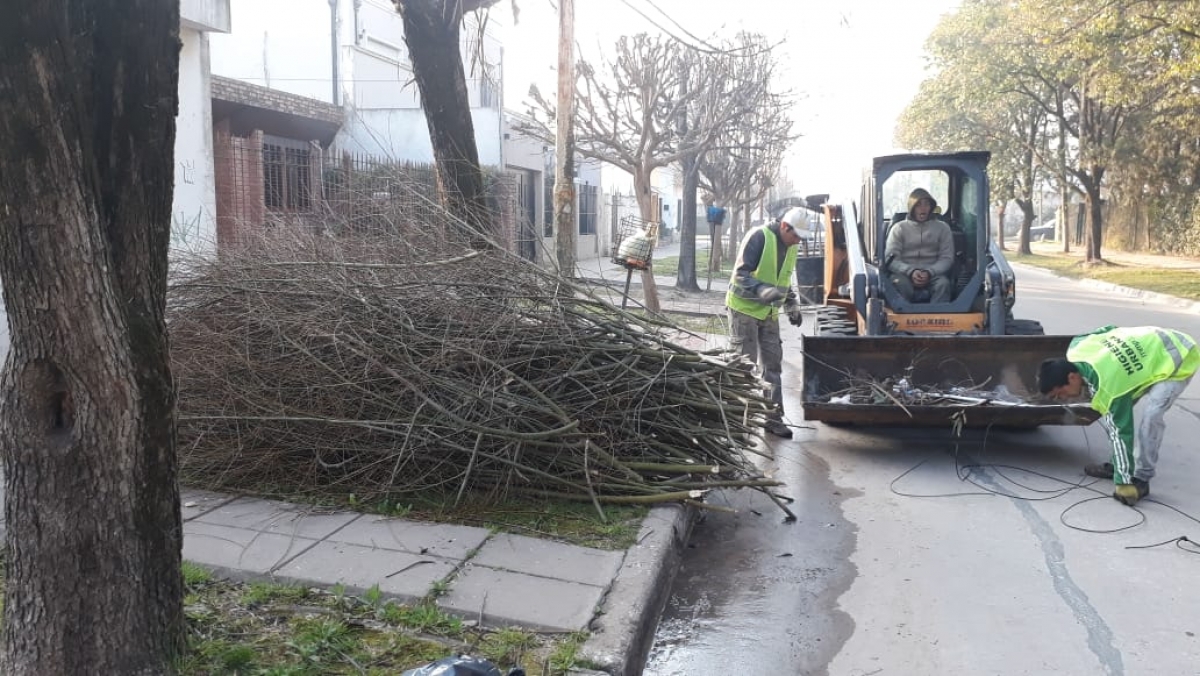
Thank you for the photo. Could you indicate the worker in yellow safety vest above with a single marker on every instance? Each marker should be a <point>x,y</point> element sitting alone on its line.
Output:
<point>759,287</point>
<point>1118,368</point>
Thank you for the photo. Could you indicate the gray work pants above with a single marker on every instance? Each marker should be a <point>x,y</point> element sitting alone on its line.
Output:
<point>939,287</point>
<point>759,340</point>
<point>1149,412</point>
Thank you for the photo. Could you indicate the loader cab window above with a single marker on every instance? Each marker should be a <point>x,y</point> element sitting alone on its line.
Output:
<point>957,196</point>
<point>900,184</point>
<point>893,201</point>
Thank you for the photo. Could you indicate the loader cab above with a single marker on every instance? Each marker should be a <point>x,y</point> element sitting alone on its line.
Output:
<point>958,182</point>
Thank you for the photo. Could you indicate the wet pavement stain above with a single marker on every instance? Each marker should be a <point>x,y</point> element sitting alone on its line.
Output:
<point>756,595</point>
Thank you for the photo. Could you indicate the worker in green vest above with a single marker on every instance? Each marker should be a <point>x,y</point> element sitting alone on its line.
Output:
<point>1118,368</point>
<point>759,287</point>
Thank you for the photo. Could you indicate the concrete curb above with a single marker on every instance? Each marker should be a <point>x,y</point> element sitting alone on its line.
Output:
<point>623,630</point>
<point>1148,296</point>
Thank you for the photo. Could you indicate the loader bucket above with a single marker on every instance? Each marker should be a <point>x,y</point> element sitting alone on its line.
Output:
<point>901,380</point>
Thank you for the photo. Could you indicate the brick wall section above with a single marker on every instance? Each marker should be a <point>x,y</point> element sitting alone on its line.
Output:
<point>236,91</point>
<point>239,186</point>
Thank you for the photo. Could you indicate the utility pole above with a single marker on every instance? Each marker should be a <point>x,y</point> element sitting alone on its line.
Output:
<point>564,145</point>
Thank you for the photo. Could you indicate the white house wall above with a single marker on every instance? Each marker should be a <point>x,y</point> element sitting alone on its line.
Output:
<point>402,135</point>
<point>285,45</point>
<point>205,15</point>
<point>194,208</point>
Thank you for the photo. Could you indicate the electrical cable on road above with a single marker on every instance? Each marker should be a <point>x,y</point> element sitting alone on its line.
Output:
<point>964,473</point>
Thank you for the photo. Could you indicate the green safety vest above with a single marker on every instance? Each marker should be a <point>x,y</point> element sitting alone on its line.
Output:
<point>1129,360</point>
<point>768,272</point>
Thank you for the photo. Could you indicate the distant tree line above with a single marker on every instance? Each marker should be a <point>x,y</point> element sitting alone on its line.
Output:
<point>1097,100</point>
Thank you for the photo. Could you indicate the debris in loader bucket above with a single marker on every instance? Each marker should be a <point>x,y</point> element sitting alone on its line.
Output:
<point>901,391</point>
<point>929,381</point>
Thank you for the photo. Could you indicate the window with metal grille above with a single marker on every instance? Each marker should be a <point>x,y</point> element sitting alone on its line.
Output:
<point>287,175</point>
<point>589,199</point>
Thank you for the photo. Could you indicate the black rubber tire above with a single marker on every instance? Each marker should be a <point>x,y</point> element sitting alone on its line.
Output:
<point>1023,327</point>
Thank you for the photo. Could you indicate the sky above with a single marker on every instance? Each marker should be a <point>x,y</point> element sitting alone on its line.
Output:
<point>855,63</point>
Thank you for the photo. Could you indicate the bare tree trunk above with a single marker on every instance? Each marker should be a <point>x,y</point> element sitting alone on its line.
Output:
<point>1095,218</point>
<point>431,31</point>
<point>1027,216</point>
<point>641,185</point>
<point>1064,215</point>
<point>685,278</point>
<point>88,97</point>
<point>716,246</point>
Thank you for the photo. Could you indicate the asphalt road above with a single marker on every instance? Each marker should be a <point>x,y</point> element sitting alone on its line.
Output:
<point>879,576</point>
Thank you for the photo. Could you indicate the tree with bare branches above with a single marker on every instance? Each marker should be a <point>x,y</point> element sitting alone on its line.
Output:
<point>737,121</point>
<point>746,165</point>
<point>626,112</point>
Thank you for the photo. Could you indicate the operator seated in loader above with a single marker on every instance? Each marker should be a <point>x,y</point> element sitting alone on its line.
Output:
<point>920,252</point>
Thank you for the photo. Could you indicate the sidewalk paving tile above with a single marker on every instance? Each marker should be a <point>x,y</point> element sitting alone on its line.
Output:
<point>239,549</point>
<point>398,574</point>
<point>196,502</point>
<point>280,518</point>
<point>500,597</point>
<point>445,540</point>
<point>546,558</point>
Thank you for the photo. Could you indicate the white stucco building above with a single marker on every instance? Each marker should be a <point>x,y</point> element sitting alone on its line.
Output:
<point>532,162</point>
<point>193,212</point>
<point>351,54</point>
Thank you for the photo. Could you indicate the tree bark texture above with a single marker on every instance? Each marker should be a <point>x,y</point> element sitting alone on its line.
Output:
<point>88,98</point>
<point>566,223</point>
<point>685,278</point>
<point>1095,217</point>
<point>641,186</point>
<point>432,31</point>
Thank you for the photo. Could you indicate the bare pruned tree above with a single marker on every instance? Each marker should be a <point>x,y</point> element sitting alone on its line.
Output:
<point>658,102</point>
<point>626,112</point>
<point>744,163</point>
<point>736,115</point>
<point>746,166</point>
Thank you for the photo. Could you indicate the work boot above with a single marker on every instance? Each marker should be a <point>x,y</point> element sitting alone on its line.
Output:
<point>779,429</point>
<point>1132,492</point>
<point>1100,470</point>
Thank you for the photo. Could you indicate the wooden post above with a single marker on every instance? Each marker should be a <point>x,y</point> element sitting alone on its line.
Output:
<point>564,146</point>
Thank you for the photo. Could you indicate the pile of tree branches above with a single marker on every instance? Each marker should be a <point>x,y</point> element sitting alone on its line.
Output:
<point>330,366</point>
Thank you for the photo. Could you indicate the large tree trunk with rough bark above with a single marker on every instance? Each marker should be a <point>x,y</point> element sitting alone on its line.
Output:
<point>432,30</point>
<point>88,97</point>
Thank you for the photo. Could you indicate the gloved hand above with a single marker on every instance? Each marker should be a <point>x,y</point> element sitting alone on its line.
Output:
<point>795,316</point>
<point>771,294</point>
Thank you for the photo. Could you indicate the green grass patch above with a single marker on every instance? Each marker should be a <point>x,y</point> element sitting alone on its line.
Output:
<point>1171,281</point>
<point>669,265</point>
<point>713,324</point>
<point>278,630</point>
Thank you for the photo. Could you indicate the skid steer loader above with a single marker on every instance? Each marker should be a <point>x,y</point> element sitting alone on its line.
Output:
<point>970,347</point>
